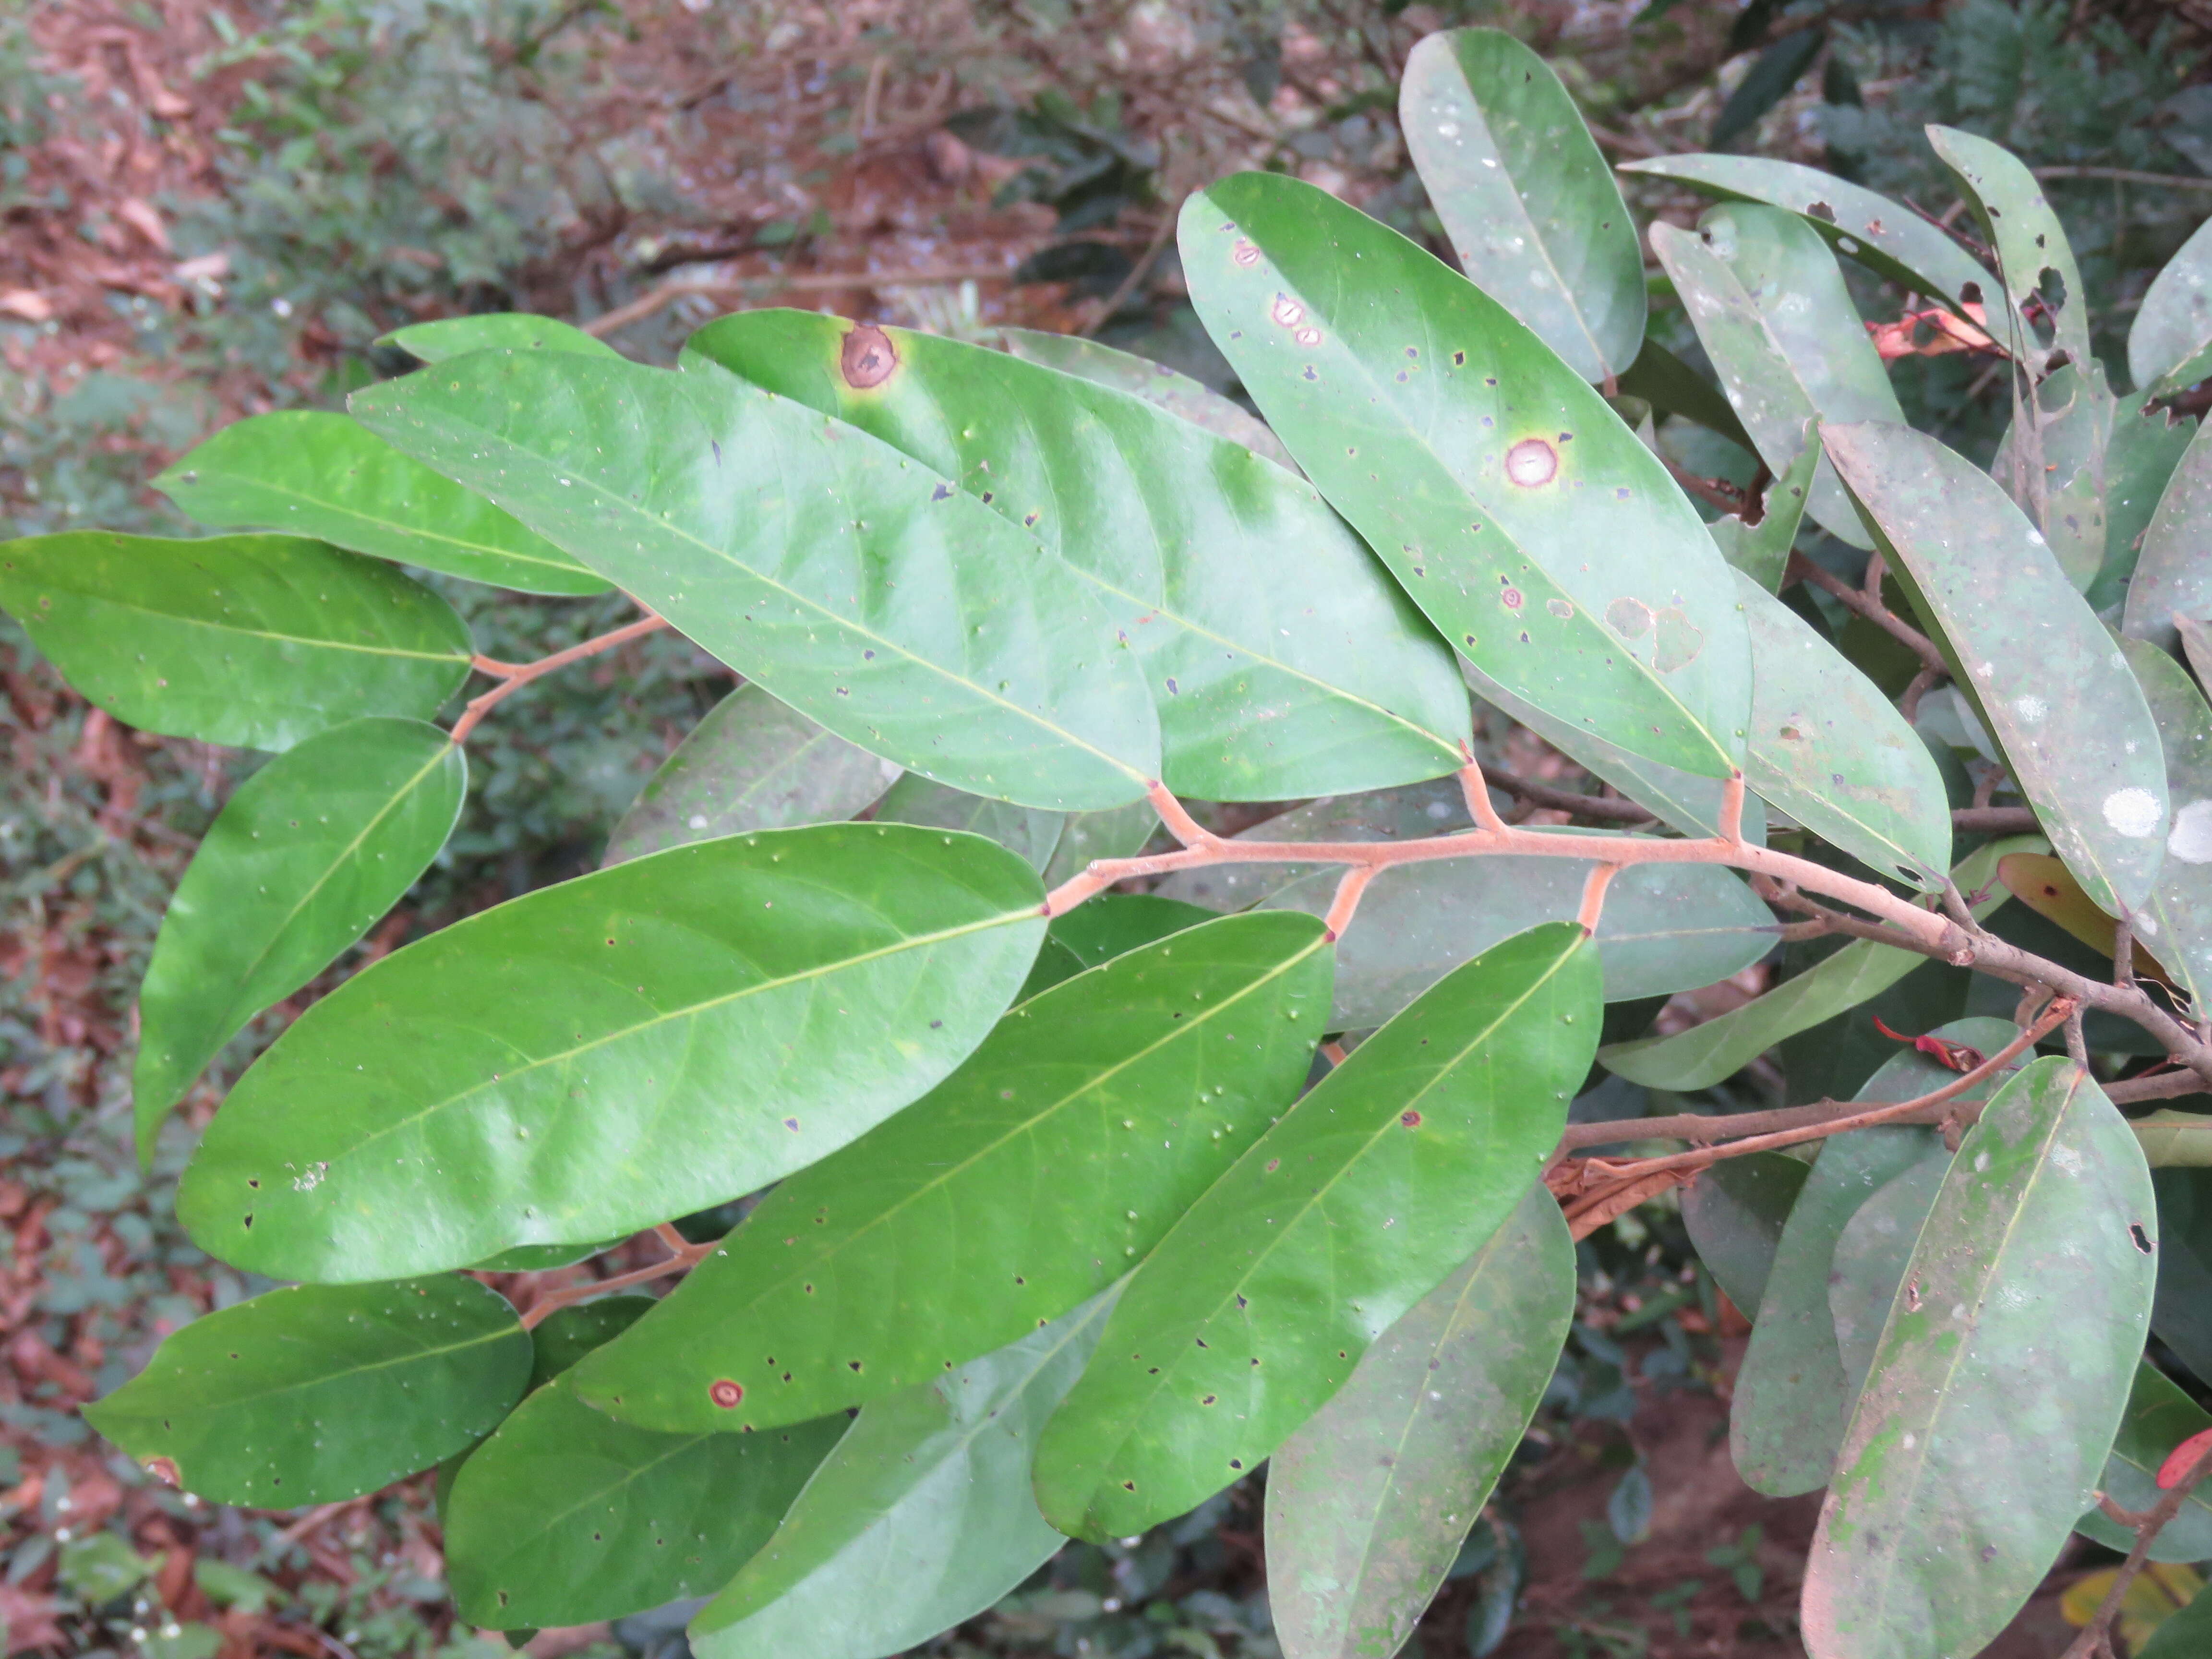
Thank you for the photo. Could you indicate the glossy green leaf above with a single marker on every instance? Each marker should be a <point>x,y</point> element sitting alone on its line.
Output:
<point>503,331</point>
<point>303,859</point>
<point>1735,1212</point>
<point>1530,204</point>
<point>1762,551</point>
<point>1689,803</point>
<point>567,1334</point>
<point>1257,1306</point>
<point>2175,925</point>
<point>927,1496</point>
<point>1207,561</point>
<point>752,763</point>
<point>1550,546</point>
<point>2001,1379</point>
<point>254,641</point>
<point>316,1393</point>
<point>2160,1416</point>
<point>601,1056</point>
<point>1368,1503</point>
<point>1666,928</point>
<point>541,1258</point>
<point>1671,387</point>
<point>1156,383</point>
<point>1720,1047</point>
<point>1815,718</point>
<point>318,474</point>
<point>1773,315</point>
<point>2173,576</point>
<point>1118,832</point>
<point>2033,257</point>
<point>850,582</point>
<point>2170,343</point>
<point>2048,682</point>
<point>1031,1178</point>
<point>2182,1315</point>
<point>1886,236</point>
<point>1871,1255</point>
<point>1792,1394</point>
<point>1028,832</point>
<point>565,1516</point>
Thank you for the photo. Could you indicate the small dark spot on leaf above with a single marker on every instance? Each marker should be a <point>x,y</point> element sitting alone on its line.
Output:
<point>2141,1238</point>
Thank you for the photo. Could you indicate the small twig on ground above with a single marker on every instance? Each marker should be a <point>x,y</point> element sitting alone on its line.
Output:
<point>1113,302</point>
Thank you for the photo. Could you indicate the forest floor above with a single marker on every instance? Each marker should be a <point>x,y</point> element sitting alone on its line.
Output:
<point>911,160</point>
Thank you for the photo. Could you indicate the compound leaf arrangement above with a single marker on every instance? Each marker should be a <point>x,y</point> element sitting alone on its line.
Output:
<point>1093,1157</point>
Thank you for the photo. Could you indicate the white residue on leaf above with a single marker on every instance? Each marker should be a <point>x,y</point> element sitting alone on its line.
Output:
<point>2191,839</point>
<point>2133,812</point>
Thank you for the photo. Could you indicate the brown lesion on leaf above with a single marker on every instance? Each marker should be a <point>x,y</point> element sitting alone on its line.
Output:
<point>868,358</point>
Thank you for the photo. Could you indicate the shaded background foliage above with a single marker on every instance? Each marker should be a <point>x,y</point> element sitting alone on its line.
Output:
<point>216,210</point>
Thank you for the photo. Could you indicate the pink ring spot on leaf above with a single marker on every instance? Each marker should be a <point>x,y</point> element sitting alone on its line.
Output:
<point>1532,462</point>
<point>726,1394</point>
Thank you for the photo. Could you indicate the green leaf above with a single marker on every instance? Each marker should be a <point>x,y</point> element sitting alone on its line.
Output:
<point>1118,832</point>
<point>252,642</point>
<point>1368,1503</point>
<point>2160,1416</point>
<point>1766,84</point>
<point>2063,493</point>
<point>1530,205</point>
<point>318,474</point>
<point>1100,928</point>
<point>2173,577</point>
<point>1207,561</point>
<point>1671,387</point>
<point>752,763</point>
<point>1156,383</point>
<point>1035,1176</point>
<point>1532,527</point>
<point>2033,256</point>
<point>1687,803</point>
<point>848,582</point>
<point>928,1491</point>
<point>1772,313</point>
<point>2145,447</point>
<point>1735,1212</point>
<point>1886,236</point>
<point>315,1392</point>
<point>541,1258</point>
<point>1025,831</point>
<point>2176,923</point>
<point>2187,1634</point>
<point>303,859</point>
<point>1666,928</point>
<point>598,1056</point>
<point>1258,1306</point>
<point>2170,343</point>
<point>567,1334</point>
<point>1792,1394</point>
<point>1720,1047</point>
<point>1418,809</point>
<point>1871,1255</point>
<point>565,1516</point>
<point>2001,1379</point>
<point>452,337</point>
<point>2183,1314</point>
<point>1814,720</point>
<point>2046,678</point>
<point>1762,551</point>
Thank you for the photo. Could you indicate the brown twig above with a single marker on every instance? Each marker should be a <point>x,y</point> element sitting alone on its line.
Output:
<point>805,281</point>
<point>1566,800</point>
<point>1802,569</point>
<point>683,1257</point>
<point>1996,820</point>
<point>1114,301</point>
<point>2127,176</point>
<point>2096,1635</point>
<point>513,676</point>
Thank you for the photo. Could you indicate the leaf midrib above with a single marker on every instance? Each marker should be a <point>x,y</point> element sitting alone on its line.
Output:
<point>183,621</point>
<point>230,1402</point>
<point>421,533</point>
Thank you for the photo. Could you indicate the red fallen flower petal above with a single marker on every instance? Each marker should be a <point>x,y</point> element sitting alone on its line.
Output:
<point>2182,1459</point>
<point>1953,1057</point>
